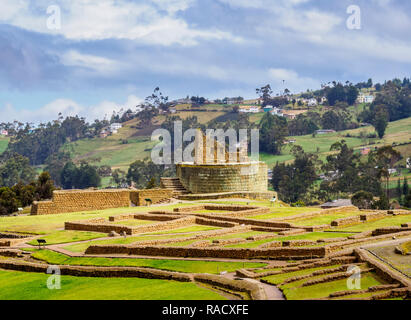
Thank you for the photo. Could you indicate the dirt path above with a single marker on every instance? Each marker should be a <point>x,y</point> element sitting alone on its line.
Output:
<point>271,292</point>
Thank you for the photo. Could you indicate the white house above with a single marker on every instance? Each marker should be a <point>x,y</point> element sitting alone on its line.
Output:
<point>276,111</point>
<point>4,133</point>
<point>115,126</point>
<point>312,102</point>
<point>249,109</point>
<point>362,98</point>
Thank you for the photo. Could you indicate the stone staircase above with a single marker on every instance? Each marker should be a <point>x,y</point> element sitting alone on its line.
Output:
<point>175,185</point>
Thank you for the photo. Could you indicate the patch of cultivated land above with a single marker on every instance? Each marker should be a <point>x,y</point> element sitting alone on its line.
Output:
<point>386,222</point>
<point>33,286</point>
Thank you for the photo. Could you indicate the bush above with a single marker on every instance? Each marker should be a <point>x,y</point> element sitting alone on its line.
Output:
<point>362,200</point>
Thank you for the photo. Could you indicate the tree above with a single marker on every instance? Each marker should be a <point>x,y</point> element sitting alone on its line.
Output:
<point>405,187</point>
<point>44,187</point>
<point>264,93</point>
<point>8,201</point>
<point>151,184</point>
<point>273,131</point>
<point>292,181</point>
<point>119,178</point>
<point>15,168</point>
<point>380,122</point>
<point>387,157</point>
<point>362,200</point>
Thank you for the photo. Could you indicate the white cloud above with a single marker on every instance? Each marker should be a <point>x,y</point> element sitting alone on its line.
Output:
<point>153,22</point>
<point>292,80</point>
<point>96,63</point>
<point>67,107</point>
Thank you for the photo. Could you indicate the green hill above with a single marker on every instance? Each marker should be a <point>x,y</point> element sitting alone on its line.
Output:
<point>3,144</point>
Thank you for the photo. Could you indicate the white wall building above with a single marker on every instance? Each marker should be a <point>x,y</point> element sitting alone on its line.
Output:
<point>249,109</point>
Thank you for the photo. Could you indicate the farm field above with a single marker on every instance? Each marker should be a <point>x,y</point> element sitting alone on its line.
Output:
<point>32,286</point>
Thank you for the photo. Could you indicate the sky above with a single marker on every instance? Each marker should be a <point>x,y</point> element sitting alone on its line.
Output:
<point>93,57</point>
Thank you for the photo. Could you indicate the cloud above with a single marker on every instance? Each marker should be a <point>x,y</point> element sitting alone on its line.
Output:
<point>67,107</point>
<point>100,64</point>
<point>291,80</point>
<point>151,22</point>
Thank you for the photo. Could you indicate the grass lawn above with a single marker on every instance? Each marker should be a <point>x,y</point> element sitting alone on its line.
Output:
<point>284,212</point>
<point>46,223</point>
<point>81,247</point>
<point>250,245</point>
<point>386,222</point>
<point>3,144</point>
<point>16,285</point>
<point>189,266</point>
<point>66,236</point>
<point>315,236</point>
<point>321,290</point>
<point>323,219</point>
<point>134,222</point>
<point>196,228</point>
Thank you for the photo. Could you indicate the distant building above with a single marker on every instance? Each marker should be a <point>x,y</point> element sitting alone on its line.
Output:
<point>312,102</point>
<point>249,109</point>
<point>4,133</point>
<point>172,110</point>
<point>365,151</point>
<point>276,111</point>
<point>104,133</point>
<point>336,204</point>
<point>362,98</point>
<point>268,108</point>
<point>115,126</point>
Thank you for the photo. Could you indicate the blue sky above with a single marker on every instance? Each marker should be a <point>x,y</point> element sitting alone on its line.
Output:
<point>110,54</point>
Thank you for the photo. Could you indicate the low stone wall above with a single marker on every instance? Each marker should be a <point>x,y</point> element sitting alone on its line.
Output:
<point>346,221</point>
<point>373,216</point>
<point>252,289</point>
<point>231,253</point>
<point>65,201</point>
<point>138,197</point>
<point>389,230</point>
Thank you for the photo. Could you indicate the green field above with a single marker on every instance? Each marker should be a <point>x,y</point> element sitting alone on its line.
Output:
<point>65,236</point>
<point>3,144</point>
<point>33,286</point>
<point>386,222</point>
<point>47,223</point>
<point>191,266</point>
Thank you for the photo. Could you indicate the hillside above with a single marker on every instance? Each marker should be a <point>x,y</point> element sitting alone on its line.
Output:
<point>113,152</point>
<point>3,144</point>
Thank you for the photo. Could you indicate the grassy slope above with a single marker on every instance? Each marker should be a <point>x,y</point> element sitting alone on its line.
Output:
<point>3,144</point>
<point>52,257</point>
<point>33,286</point>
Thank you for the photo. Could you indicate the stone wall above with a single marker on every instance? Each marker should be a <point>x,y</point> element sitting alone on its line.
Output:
<point>214,178</point>
<point>65,201</point>
<point>231,253</point>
